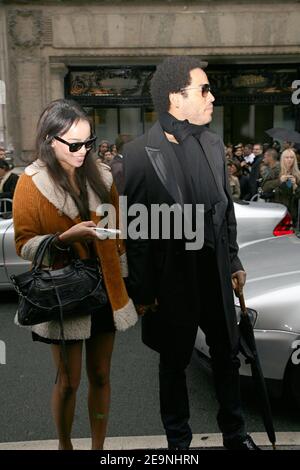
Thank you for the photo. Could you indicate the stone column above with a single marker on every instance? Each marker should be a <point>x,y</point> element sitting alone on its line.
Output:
<point>58,72</point>
<point>29,92</point>
<point>25,34</point>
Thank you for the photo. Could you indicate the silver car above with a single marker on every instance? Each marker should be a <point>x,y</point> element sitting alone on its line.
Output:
<point>10,262</point>
<point>256,221</point>
<point>272,292</point>
<point>259,220</point>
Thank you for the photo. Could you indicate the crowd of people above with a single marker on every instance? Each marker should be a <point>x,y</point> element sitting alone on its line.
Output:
<point>267,172</point>
<point>255,171</point>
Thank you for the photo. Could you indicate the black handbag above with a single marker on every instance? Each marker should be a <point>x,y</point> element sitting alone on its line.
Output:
<point>47,294</point>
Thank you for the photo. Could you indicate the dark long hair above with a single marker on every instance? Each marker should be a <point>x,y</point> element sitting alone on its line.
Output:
<point>57,119</point>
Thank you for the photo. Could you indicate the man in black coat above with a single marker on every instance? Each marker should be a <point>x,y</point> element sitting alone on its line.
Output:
<point>176,285</point>
<point>255,171</point>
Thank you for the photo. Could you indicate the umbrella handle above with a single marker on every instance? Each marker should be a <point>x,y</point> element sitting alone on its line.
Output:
<point>242,304</point>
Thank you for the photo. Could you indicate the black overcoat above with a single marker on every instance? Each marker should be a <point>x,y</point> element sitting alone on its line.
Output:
<point>163,269</point>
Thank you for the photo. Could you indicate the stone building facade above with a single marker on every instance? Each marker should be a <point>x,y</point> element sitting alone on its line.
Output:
<point>253,49</point>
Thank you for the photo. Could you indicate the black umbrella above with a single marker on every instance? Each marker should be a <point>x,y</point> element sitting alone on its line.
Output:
<point>283,134</point>
<point>248,349</point>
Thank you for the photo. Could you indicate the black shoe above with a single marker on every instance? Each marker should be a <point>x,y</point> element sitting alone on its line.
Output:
<point>240,443</point>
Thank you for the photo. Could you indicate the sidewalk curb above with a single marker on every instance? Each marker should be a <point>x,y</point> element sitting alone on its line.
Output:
<point>200,441</point>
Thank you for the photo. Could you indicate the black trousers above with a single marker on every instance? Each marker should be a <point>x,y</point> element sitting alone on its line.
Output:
<point>174,402</point>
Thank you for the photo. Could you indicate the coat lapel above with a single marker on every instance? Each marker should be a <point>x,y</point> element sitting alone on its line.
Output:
<point>211,153</point>
<point>165,163</point>
<point>210,143</point>
<point>63,202</point>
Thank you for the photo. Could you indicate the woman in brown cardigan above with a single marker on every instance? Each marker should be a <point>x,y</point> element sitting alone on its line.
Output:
<point>62,192</point>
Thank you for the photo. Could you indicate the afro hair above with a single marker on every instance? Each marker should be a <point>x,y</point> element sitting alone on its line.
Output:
<point>170,76</point>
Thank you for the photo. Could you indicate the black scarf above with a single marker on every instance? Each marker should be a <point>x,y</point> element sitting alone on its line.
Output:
<point>200,182</point>
<point>198,175</point>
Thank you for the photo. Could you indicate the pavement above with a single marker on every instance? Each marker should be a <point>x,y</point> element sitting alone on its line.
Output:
<point>285,441</point>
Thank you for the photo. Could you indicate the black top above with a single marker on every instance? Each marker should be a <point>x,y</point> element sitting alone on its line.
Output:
<point>188,197</point>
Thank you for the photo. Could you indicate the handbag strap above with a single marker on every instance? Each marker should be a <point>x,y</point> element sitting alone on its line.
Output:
<point>42,249</point>
<point>63,352</point>
<point>45,246</point>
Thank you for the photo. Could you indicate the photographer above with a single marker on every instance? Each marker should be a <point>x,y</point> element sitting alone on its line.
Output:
<point>288,190</point>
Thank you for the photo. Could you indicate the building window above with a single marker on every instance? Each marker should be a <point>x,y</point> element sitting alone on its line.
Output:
<point>103,85</point>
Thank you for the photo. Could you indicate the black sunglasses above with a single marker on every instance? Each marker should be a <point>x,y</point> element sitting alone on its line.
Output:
<point>205,89</point>
<point>75,146</point>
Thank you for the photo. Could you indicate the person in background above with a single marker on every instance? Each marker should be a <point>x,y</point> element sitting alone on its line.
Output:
<point>117,163</point>
<point>270,170</point>
<point>296,149</point>
<point>2,153</point>
<point>7,156</point>
<point>233,181</point>
<point>254,176</point>
<point>8,182</point>
<point>103,147</point>
<point>238,152</point>
<point>108,157</point>
<point>288,190</point>
<point>113,149</point>
<point>248,154</point>
<point>229,150</point>
<point>237,171</point>
<point>238,155</point>
<point>287,145</point>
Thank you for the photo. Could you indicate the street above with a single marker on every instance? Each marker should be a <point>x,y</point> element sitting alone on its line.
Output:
<point>28,376</point>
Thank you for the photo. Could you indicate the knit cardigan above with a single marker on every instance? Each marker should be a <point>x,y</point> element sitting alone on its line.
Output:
<point>39,209</point>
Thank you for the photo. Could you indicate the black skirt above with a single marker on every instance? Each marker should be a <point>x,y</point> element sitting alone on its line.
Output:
<point>101,322</point>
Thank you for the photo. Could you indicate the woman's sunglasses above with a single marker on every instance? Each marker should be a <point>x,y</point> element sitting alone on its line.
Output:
<point>205,89</point>
<point>75,146</point>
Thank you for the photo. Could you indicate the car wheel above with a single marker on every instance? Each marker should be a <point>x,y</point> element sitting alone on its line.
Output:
<point>294,383</point>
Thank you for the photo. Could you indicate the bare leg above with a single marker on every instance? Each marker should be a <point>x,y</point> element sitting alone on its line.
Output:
<point>64,392</point>
<point>98,358</point>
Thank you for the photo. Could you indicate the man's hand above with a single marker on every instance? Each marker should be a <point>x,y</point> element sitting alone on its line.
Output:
<point>142,309</point>
<point>238,281</point>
